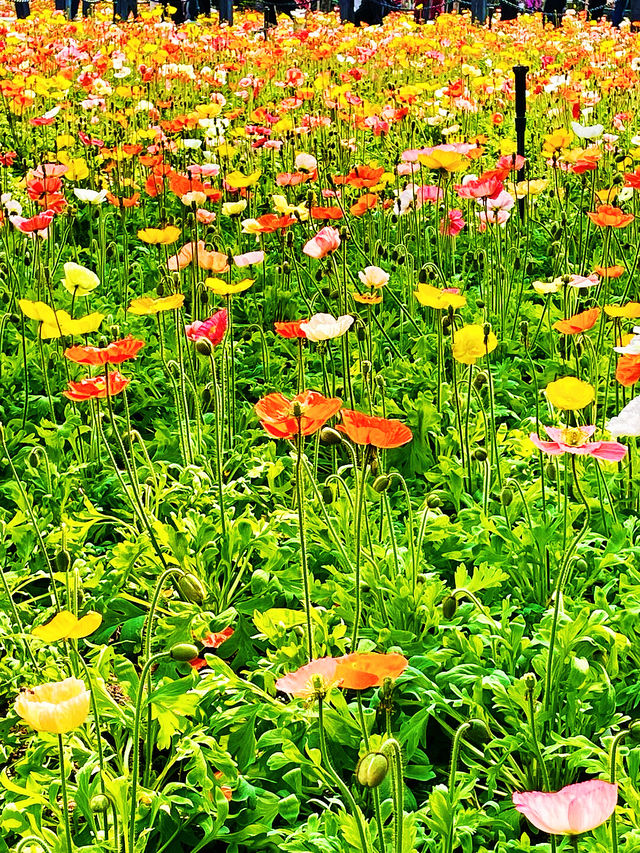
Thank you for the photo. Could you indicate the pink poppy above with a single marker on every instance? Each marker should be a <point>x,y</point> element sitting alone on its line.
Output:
<point>212,329</point>
<point>248,259</point>
<point>428,192</point>
<point>205,217</point>
<point>506,162</point>
<point>576,440</point>
<point>325,241</point>
<point>572,810</point>
<point>301,682</point>
<point>479,188</point>
<point>492,217</point>
<point>39,222</point>
<point>453,223</point>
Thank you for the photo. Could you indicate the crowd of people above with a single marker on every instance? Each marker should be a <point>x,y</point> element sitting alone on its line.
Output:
<point>359,12</point>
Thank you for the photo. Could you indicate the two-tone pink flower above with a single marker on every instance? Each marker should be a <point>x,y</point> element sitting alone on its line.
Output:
<point>576,440</point>
<point>570,811</point>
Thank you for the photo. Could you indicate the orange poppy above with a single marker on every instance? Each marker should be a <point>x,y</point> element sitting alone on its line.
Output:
<point>628,370</point>
<point>379,432</point>
<point>95,387</point>
<point>578,323</point>
<point>610,272</point>
<point>361,670</point>
<point>114,353</point>
<point>291,329</point>
<point>364,203</point>
<point>271,222</point>
<point>367,298</point>
<point>326,213</point>
<point>608,216</point>
<point>277,414</point>
<point>361,177</point>
<point>632,179</point>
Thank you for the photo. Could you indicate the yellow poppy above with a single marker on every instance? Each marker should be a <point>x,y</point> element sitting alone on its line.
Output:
<point>66,626</point>
<point>159,236</point>
<point>630,311</point>
<point>367,298</point>
<point>570,393</point>
<point>432,297</point>
<point>79,280</point>
<point>470,343</point>
<point>238,181</point>
<point>148,305</point>
<point>233,208</point>
<point>55,324</point>
<point>225,288</point>
<point>447,161</point>
<point>56,707</point>
<point>555,142</point>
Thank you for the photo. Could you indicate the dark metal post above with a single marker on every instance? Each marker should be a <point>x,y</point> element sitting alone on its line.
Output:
<point>520,74</point>
<point>226,11</point>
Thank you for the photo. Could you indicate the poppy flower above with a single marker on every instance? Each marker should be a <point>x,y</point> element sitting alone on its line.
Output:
<point>453,223</point>
<point>608,216</point>
<point>291,329</point>
<point>364,203</point>
<point>367,298</point>
<point>325,241</point>
<point>308,680</point>
<point>325,327</point>
<point>56,707</point>
<point>237,181</point>
<point>361,176</point>
<point>570,393</point>
<point>630,311</point>
<point>479,188</point>
<point>248,259</point>
<point>471,343</point>
<point>211,641</point>
<point>95,387</point>
<point>572,810</point>
<point>575,440</point>
<point>628,370</point>
<point>159,236</point>
<point>233,208</point>
<point>271,222</point>
<point>114,353</point>
<point>55,324</point>
<point>578,323</point>
<point>145,305</point>
<point>79,280</point>
<point>326,213</point>
<point>67,626</point>
<point>361,670</point>
<point>278,415</point>
<point>212,329</point>
<point>628,421</point>
<point>444,160</point>
<point>39,222</point>
<point>370,430</point>
<point>433,297</point>
<point>610,272</point>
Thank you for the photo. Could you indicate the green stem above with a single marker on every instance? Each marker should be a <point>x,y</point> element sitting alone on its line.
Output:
<point>303,544</point>
<point>392,746</point>
<point>359,509</point>
<point>65,798</point>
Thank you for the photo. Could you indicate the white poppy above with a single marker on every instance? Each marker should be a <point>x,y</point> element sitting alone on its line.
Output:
<point>90,196</point>
<point>324,327</point>
<point>373,277</point>
<point>628,421</point>
<point>583,132</point>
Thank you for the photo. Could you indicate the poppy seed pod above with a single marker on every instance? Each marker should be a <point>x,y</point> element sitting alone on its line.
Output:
<point>204,348</point>
<point>183,652</point>
<point>372,769</point>
<point>191,588</point>
<point>381,484</point>
<point>449,607</point>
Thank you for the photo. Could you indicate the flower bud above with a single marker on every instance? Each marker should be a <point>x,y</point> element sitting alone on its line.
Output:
<point>63,560</point>
<point>327,494</point>
<point>449,607</point>
<point>366,368</point>
<point>34,458</point>
<point>480,455</point>
<point>506,496</point>
<point>328,435</point>
<point>203,347</point>
<point>381,484</point>
<point>191,588</point>
<point>99,803</point>
<point>183,652</point>
<point>530,681</point>
<point>634,731</point>
<point>206,396</point>
<point>259,581</point>
<point>372,769</point>
<point>433,501</point>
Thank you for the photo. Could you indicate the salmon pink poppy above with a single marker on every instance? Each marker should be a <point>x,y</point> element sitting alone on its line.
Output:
<point>114,353</point>
<point>326,240</point>
<point>379,432</point>
<point>278,414</point>
<point>39,222</point>
<point>575,440</point>
<point>578,323</point>
<point>95,387</point>
<point>305,681</point>
<point>361,670</point>
<point>572,810</point>
<point>212,329</point>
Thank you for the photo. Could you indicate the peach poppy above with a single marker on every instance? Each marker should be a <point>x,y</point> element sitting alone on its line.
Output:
<point>271,222</point>
<point>610,272</point>
<point>361,670</point>
<point>369,430</point>
<point>304,682</point>
<point>114,353</point>
<point>278,415</point>
<point>364,203</point>
<point>326,213</point>
<point>578,323</point>
<point>608,216</point>
<point>95,387</point>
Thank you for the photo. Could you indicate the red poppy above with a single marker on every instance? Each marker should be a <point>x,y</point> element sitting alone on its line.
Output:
<point>326,213</point>
<point>277,416</point>
<point>211,641</point>
<point>95,387</point>
<point>578,323</point>
<point>628,370</point>
<point>114,353</point>
<point>360,670</point>
<point>361,176</point>
<point>379,432</point>
<point>39,222</point>
<point>271,222</point>
<point>124,201</point>
<point>212,329</point>
<point>8,158</point>
<point>226,790</point>
<point>291,329</point>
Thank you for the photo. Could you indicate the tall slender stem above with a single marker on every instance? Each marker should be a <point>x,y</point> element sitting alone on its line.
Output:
<point>359,509</point>
<point>65,798</point>
<point>303,544</point>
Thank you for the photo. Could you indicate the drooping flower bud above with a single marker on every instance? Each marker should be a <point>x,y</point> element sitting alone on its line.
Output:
<point>184,652</point>
<point>449,607</point>
<point>372,769</point>
<point>191,588</point>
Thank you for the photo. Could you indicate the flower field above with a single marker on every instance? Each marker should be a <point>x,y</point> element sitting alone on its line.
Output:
<point>318,436</point>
